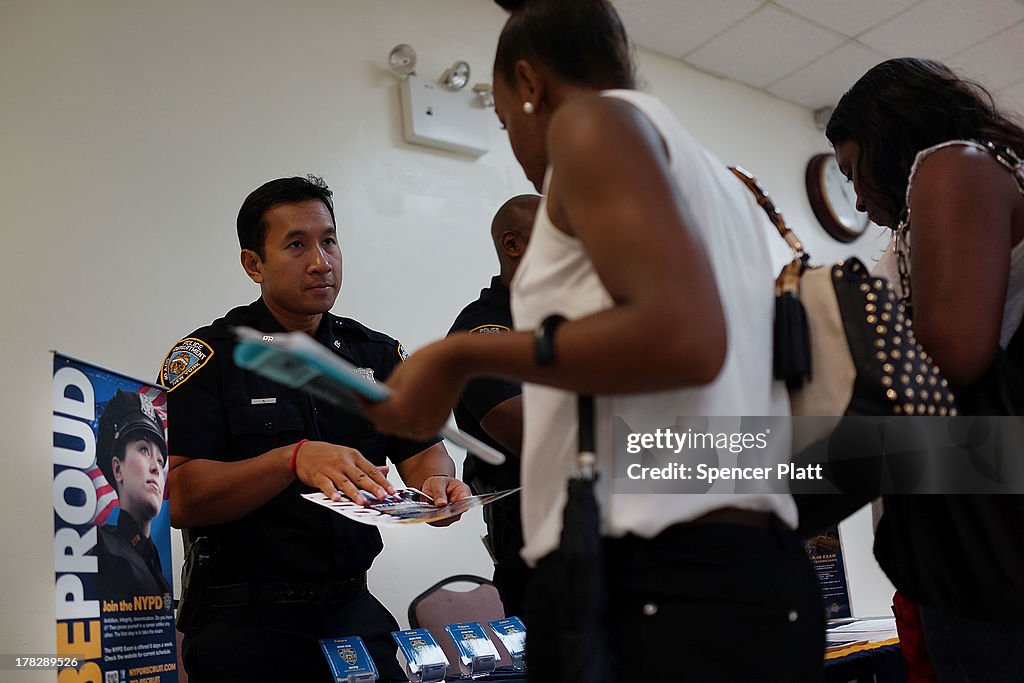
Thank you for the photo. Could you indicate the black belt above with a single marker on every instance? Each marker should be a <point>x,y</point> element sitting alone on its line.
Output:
<point>332,592</point>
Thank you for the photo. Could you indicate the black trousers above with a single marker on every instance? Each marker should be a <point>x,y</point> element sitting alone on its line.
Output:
<point>277,643</point>
<point>700,603</point>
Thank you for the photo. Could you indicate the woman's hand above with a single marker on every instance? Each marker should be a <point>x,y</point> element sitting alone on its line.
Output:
<point>424,388</point>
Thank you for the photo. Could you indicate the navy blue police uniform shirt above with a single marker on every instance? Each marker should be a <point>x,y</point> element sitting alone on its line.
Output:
<point>129,563</point>
<point>218,411</point>
<point>490,314</point>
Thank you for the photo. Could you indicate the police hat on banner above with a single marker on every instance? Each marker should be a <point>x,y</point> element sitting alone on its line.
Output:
<point>125,414</point>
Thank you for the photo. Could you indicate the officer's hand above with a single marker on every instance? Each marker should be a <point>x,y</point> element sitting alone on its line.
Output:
<point>425,389</point>
<point>445,490</point>
<point>333,468</point>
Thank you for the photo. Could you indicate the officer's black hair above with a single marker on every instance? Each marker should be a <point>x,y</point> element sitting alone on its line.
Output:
<point>252,224</point>
<point>583,41</point>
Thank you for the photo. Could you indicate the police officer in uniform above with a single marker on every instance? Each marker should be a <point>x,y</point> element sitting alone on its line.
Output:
<point>131,451</point>
<point>268,573</point>
<point>492,410</point>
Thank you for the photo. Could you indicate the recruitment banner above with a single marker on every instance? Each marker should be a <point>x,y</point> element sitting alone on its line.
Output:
<point>112,545</point>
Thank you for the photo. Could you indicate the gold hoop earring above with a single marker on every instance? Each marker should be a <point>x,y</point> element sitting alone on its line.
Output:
<point>527,107</point>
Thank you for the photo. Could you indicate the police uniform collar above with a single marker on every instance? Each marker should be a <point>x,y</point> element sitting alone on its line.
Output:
<point>497,289</point>
<point>129,529</point>
<point>265,320</point>
<point>330,332</point>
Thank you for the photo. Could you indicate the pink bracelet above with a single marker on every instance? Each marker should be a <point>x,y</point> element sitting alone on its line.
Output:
<point>295,456</point>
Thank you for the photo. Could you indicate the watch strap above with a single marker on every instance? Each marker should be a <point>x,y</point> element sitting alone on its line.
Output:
<point>544,339</point>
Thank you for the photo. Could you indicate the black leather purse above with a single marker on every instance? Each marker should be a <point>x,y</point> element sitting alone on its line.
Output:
<point>844,345</point>
<point>844,342</point>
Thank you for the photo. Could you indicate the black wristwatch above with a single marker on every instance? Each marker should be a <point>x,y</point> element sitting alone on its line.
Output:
<point>544,339</point>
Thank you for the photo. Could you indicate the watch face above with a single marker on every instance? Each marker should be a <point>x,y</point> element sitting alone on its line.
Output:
<point>833,200</point>
<point>840,194</point>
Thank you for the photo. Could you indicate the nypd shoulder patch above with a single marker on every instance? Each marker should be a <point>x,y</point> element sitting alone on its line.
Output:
<point>183,361</point>
<point>491,328</point>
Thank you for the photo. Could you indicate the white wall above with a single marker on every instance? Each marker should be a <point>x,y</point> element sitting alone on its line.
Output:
<point>130,133</point>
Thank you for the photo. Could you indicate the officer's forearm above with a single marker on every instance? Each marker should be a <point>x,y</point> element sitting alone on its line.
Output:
<point>504,424</point>
<point>432,461</point>
<point>206,492</point>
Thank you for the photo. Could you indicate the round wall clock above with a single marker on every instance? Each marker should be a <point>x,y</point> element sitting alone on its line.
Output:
<point>833,200</point>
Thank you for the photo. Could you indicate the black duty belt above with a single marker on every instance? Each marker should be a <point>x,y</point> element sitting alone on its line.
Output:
<point>265,593</point>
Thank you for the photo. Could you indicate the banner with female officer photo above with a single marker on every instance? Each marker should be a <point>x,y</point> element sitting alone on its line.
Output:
<point>112,549</point>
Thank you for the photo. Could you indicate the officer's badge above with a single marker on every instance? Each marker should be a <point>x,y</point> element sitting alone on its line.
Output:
<point>147,407</point>
<point>402,353</point>
<point>367,373</point>
<point>490,328</point>
<point>183,361</point>
<point>348,655</point>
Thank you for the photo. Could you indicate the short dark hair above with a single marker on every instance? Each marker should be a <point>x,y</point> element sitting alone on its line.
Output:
<point>905,105</point>
<point>583,41</point>
<point>252,224</point>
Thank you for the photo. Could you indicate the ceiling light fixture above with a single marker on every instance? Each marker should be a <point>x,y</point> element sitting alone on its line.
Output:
<point>456,76</point>
<point>486,94</point>
<point>402,60</point>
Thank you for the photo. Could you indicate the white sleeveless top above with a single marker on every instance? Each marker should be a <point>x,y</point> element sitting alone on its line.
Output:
<point>556,276</point>
<point>1013,308</point>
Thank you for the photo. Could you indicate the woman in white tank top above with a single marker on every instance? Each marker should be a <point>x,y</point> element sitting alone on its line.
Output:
<point>931,157</point>
<point>658,257</point>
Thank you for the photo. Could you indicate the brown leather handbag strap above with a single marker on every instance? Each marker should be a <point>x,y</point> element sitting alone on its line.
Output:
<point>774,215</point>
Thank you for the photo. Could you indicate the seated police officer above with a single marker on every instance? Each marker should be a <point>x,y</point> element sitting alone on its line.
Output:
<point>131,451</point>
<point>268,573</point>
<point>491,409</point>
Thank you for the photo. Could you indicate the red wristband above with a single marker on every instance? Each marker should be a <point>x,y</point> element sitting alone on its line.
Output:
<point>295,455</point>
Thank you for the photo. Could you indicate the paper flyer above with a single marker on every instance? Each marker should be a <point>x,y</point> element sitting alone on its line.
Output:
<point>511,633</point>
<point>477,654</point>
<point>405,506</point>
<point>112,544</point>
<point>349,660</point>
<point>826,553</point>
<point>424,658</point>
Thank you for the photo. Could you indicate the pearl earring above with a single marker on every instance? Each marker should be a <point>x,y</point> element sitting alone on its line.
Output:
<point>527,107</point>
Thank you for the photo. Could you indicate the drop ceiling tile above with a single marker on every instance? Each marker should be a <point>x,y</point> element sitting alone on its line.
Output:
<point>764,47</point>
<point>822,82</point>
<point>996,62</point>
<point>941,28</point>
<point>849,18</point>
<point>675,27</point>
